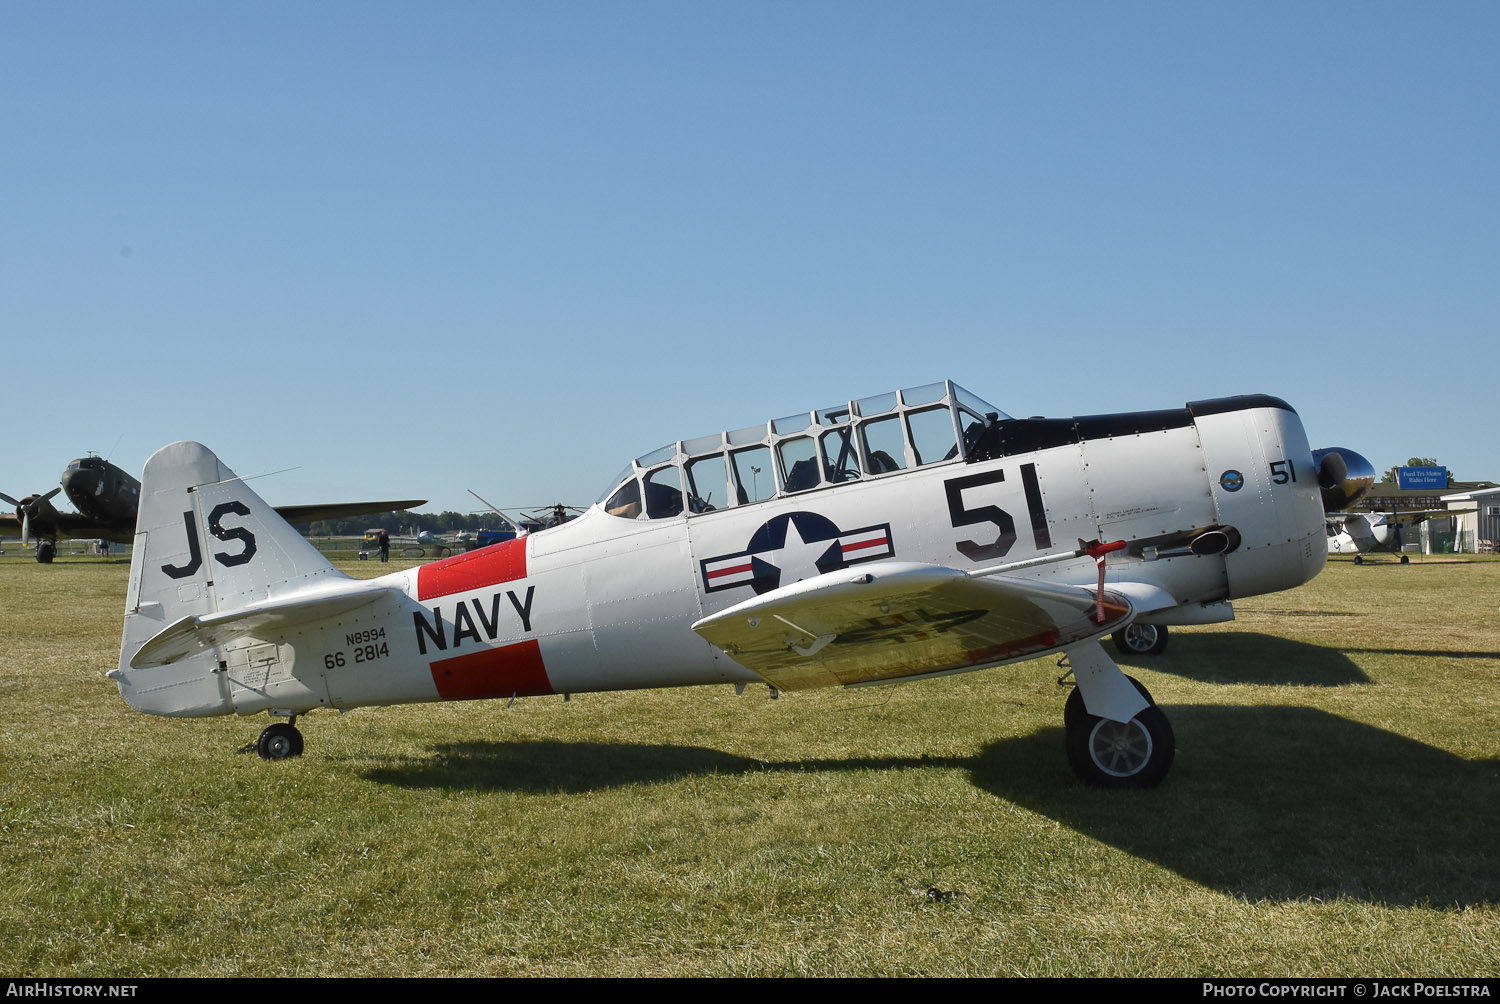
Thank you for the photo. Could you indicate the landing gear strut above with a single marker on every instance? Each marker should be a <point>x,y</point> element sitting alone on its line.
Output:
<point>1110,754</point>
<point>280,741</point>
<point>1141,639</point>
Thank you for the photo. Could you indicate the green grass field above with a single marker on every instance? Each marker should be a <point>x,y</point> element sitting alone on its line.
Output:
<point>1334,810</point>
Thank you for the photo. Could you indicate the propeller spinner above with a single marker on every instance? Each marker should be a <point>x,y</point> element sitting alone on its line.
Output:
<point>1344,476</point>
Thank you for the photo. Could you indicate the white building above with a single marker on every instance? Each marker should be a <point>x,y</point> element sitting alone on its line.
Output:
<point>1478,531</point>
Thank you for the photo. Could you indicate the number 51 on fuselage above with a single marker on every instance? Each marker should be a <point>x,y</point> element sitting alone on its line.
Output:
<point>914,534</point>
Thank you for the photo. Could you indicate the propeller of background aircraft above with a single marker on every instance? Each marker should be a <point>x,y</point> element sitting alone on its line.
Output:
<point>28,507</point>
<point>532,516</point>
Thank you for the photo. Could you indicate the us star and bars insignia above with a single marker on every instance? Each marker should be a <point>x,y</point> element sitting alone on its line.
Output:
<point>795,546</point>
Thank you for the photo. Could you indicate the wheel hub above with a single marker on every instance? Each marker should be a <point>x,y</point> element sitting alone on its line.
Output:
<point>1120,748</point>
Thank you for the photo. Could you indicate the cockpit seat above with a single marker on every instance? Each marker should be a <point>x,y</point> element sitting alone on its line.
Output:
<point>802,476</point>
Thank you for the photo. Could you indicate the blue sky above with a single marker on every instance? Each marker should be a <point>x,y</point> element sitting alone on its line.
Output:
<point>414,249</point>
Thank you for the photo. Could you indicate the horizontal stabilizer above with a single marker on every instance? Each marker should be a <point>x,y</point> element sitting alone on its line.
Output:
<point>267,620</point>
<point>897,619</point>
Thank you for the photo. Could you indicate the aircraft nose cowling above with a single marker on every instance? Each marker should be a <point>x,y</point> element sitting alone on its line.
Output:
<point>80,484</point>
<point>1343,475</point>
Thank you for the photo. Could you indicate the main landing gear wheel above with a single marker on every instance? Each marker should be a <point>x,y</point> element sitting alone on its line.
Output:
<point>1109,754</point>
<point>279,742</point>
<point>45,551</point>
<point>1141,639</point>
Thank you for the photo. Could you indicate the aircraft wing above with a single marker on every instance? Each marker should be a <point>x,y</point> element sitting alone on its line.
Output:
<point>1401,514</point>
<point>1339,520</point>
<point>1417,515</point>
<point>897,619</point>
<point>341,510</point>
<point>67,525</point>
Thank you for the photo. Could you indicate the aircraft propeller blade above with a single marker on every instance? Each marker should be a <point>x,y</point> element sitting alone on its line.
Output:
<point>25,511</point>
<point>492,509</point>
<point>509,522</point>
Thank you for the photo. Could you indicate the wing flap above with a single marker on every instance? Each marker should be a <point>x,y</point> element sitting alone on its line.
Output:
<point>892,620</point>
<point>268,620</point>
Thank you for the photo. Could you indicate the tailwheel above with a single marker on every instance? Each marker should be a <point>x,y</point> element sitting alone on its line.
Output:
<point>1109,754</point>
<point>1141,639</point>
<point>279,742</point>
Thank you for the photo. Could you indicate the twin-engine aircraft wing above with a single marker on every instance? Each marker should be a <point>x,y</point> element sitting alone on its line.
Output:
<point>72,525</point>
<point>66,524</point>
<point>298,514</point>
<point>899,619</point>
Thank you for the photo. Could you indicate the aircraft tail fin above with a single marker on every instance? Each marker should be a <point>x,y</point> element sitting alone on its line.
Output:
<point>204,543</point>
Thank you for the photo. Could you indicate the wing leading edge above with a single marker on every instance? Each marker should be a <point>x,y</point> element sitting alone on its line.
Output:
<point>298,514</point>
<point>900,620</point>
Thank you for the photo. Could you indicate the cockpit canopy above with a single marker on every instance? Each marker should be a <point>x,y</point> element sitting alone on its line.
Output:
<point>869,438</point>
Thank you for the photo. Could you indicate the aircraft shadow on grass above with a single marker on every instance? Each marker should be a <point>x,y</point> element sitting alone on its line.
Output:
<point>1247,657</point>
<point>1285,803</point>
<point>1278,803</point>
<point>1425,653</point>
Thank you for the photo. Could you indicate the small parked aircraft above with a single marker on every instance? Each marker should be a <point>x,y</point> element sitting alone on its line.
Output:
<point>107,497</point>
<point>1360,533</point>
<point>906,536</point>
<point>416,545</point>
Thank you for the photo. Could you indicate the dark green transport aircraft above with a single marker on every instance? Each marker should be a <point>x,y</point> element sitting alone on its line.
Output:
<point>107,498</point>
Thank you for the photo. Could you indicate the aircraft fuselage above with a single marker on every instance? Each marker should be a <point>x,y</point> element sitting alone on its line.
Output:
<point>1215,501</point>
